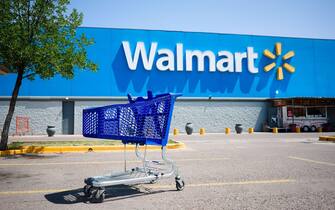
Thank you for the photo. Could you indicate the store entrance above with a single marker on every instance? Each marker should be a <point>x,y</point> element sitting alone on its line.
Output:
<point>68,117</point>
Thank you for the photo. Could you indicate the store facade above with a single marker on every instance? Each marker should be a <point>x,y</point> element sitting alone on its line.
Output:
<point>225,79</point>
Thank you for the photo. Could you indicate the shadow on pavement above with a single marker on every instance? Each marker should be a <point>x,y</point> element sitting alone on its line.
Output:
<point>9,175</point>
<point>114,193</point>
<point>31,156</point>
<point>67,197</point>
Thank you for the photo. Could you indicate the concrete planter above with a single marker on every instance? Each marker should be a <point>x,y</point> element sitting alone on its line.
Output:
<point>189,128</point>
<point>238,128</point>
<point>51,130</point>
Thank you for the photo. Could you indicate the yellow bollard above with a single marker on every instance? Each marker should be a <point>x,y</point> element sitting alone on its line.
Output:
<point>319,129</point>
<point>227,131</point>
<point>202,131</point>
<point>175,132</point>
<point>297,129</point>
<point>251,130</point>
<point>274,130</point>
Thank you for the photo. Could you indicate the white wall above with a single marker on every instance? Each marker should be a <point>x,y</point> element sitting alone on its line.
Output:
<point>41,114</point>
<point>214,116</point>
<point>217,115</point>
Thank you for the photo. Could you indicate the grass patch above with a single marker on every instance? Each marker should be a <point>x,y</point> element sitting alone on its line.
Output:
<point>14,145</point>
<point>18,145</point>
<point>171,141</point>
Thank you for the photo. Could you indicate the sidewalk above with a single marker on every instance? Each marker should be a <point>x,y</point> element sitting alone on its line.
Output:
<point>180,137</point>
<point>178,145</point>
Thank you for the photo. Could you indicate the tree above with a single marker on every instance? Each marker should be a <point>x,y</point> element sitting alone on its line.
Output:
<point>39,38</point>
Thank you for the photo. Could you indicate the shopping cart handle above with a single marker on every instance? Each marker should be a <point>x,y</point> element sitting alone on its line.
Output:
<point>150,96</point>
<point>130,99</point>
<point>138,99</point>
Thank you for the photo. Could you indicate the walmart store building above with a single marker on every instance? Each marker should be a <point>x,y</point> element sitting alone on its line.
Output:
<point>225,79</point>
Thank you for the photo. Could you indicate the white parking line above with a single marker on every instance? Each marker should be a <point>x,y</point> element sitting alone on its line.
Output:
<point>105,162</point>
<point>213,184</point>
<point>311,161</point>
<point>218,184</point>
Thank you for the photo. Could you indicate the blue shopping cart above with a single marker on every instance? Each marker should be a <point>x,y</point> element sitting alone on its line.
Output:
<point>143,121</point>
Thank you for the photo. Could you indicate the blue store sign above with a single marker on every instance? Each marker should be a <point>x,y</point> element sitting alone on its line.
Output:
<point>195,64</point>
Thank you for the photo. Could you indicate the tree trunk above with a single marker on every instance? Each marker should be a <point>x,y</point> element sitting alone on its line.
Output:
<point>5,130</point>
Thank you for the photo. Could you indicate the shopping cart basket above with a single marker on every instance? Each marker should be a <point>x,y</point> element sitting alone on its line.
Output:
<point>140,122</point>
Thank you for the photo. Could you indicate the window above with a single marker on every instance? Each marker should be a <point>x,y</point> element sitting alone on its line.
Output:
<point>316,111</point>
<point>296,111</point>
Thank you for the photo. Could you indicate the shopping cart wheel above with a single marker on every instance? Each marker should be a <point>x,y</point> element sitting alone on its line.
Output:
<point>180,184</point>
<point>97,195</point>
<point>87,190</point>
<point>153,181</point>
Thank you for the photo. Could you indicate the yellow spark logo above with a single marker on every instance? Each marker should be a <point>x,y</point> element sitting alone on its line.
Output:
<point>285,58</point>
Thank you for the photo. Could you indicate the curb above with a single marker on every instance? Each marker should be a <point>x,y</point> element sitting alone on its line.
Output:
<point>65,149</point>
<point>327,138</point>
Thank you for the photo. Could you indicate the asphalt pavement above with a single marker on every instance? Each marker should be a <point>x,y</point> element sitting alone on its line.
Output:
<point>258,171</point>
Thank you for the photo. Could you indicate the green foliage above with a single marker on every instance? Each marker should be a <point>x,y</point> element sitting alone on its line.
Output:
<point>15,145</point>
<point>40,38</point>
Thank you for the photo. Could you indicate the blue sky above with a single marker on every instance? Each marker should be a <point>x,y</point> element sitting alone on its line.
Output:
<point>291,18</point>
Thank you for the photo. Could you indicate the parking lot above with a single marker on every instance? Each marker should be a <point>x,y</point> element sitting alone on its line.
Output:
<point>258,171</point>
